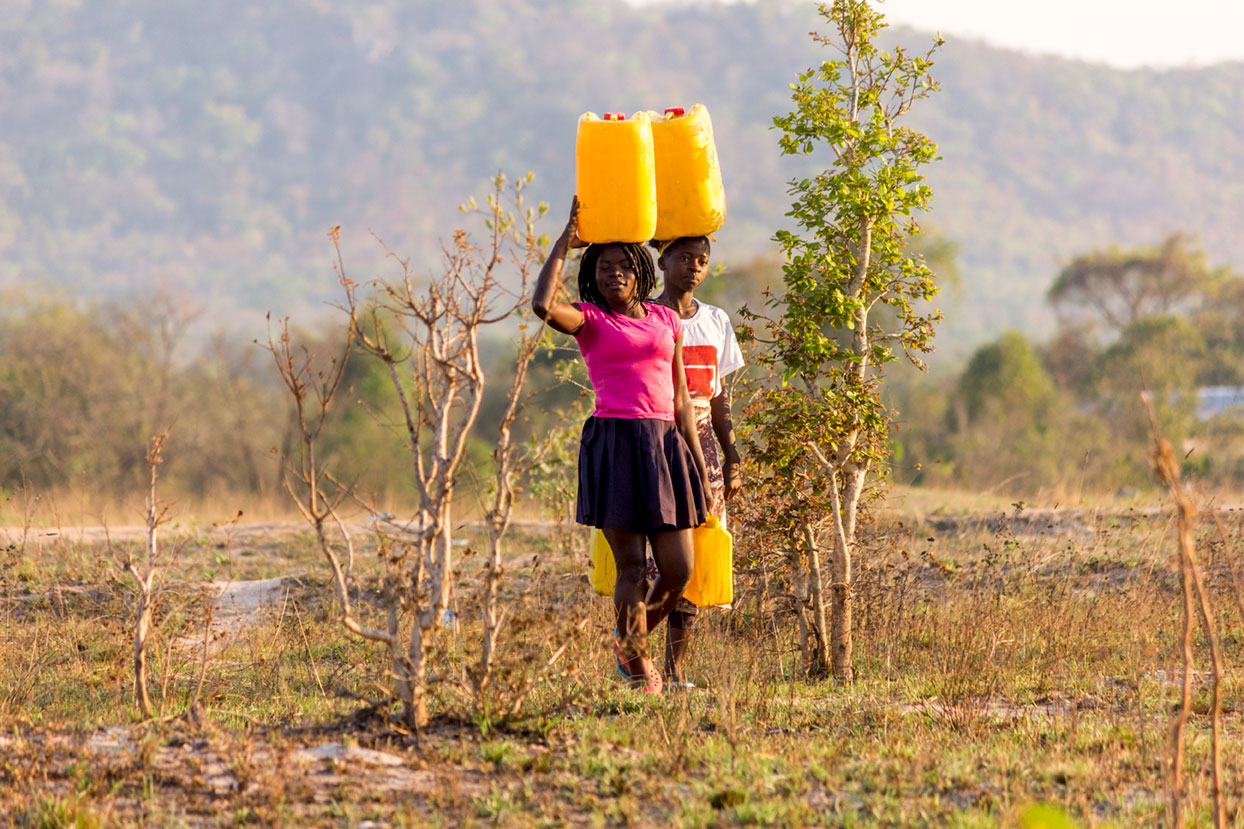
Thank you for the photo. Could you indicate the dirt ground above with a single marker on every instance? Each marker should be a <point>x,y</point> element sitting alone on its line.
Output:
<point>1053,685</point>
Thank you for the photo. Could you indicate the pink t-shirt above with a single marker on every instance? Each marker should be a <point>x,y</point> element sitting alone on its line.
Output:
<point>629,361</point>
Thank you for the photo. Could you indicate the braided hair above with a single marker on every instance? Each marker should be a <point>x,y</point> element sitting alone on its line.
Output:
<point>638,258</point>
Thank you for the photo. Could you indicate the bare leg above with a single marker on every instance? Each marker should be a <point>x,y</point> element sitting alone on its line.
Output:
<point>675,557</point>
<point>677,635</point>
<point>629,591</point>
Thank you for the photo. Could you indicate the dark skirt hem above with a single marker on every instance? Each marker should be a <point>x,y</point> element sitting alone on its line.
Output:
<point>637,475</point>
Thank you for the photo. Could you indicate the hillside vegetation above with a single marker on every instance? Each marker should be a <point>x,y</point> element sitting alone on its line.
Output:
<point>204,149</point>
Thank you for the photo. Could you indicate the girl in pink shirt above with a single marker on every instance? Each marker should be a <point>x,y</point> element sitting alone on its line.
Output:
<point>642,477</point>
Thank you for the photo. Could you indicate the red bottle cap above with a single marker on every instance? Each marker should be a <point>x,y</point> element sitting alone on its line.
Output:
<point>615,116</point>
<point>675,111</point>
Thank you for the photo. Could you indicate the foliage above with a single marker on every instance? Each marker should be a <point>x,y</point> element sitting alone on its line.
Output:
<point>1158,355</point>
<point>204,147</point>
<point>1123,287</point>
<point>1010,428</point>
<point>1005,372</point>
<point>1075,421</point>
<point>83,387</point>
<point>815,435</point>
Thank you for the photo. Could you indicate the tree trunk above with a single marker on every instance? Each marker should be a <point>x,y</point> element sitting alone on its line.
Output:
<point>492,621</point>
<point>840,614</point>
<point>846,506</point>
<point>417,671</point>
<point>403,688</point>
<point>434,596</point>
<point>799,592</point>
<point>817,584</point>
<point>141,629</point>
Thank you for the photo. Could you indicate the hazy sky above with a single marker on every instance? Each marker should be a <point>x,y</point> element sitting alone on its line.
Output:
<point>1124,33</point>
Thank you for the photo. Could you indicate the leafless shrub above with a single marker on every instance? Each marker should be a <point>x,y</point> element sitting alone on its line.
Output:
<point>144,573</point>
<point>427,336</point>
<point>312,385</point>
<point>552,476</point>
<point>16,547</point>
<point>1195,599</point>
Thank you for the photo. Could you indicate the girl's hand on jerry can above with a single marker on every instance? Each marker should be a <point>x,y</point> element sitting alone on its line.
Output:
<point>572,227</point>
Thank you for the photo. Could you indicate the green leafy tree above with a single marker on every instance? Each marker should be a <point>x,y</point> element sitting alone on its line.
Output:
<point>1122,287</point>
<point>1011,427</point>
<point>820,430</point>
<point>1161,355</point>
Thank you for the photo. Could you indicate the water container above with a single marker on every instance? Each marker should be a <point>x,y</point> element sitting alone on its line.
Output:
<point>712,580</point>
<point>604,570</point>
<point>691,200</point>
<point>615,178</point>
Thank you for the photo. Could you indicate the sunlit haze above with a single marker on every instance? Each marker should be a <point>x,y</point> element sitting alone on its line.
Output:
<point>1123,33</point>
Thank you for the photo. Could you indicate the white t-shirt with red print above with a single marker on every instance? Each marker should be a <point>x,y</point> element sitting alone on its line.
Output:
<point>710,350</point>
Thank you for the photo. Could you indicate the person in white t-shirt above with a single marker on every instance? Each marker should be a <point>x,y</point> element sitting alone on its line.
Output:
<point>710,353</point>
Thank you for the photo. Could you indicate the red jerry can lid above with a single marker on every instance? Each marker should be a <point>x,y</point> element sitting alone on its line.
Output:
<point>615,116</point>
<point>675,111</point>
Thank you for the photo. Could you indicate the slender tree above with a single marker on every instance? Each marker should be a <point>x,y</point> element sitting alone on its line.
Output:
<point>819,430</point>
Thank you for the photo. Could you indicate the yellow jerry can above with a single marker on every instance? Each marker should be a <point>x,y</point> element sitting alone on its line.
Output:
<point>604,570</point>
<point>615,178</point>
<point>691,200</point>
<point>712,579</point>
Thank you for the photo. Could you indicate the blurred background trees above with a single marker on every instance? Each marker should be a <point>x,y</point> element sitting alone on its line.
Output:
<point>1064,416</point>
<point>206,147</point>
<point>200,151</point>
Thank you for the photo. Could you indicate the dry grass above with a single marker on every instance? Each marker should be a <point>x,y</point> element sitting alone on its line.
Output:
<point>1002,660</point>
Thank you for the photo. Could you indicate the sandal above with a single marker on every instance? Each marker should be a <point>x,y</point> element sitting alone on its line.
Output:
<point>653,684</point>
<point>620,660</point>
<point>647,672</point>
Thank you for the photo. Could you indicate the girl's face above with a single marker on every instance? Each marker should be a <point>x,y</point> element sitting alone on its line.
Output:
<point>685,264</point>
<point>615,277</point>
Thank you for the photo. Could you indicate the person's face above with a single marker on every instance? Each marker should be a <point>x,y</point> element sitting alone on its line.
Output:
<point>685,264</point>
<point>615,278</point>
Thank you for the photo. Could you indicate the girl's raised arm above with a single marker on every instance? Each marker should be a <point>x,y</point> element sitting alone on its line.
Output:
<point>561,316</point>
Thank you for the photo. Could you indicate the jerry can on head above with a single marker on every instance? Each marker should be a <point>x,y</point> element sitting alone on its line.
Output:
<point>615,178</point>
<point>691,200</point>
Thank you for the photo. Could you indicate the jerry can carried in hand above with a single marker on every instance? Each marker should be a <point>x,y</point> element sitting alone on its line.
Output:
<point>604,569</point>
<point>712,578</point>
<point>691,200</point>
<point>615,178</point>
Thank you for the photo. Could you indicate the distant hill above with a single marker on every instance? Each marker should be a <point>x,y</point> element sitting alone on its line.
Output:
<point>205,148</point>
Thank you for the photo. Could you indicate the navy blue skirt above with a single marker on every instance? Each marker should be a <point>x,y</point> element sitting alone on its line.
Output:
<point>638,475</point>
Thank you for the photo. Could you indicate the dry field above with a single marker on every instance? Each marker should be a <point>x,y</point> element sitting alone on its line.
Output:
<point>1007,658</point>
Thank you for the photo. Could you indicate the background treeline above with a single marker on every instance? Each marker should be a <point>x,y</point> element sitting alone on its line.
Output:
<point>1064,416</point>
<point>205,148</point>
<point>199,152</point>
<point>84,385</point>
